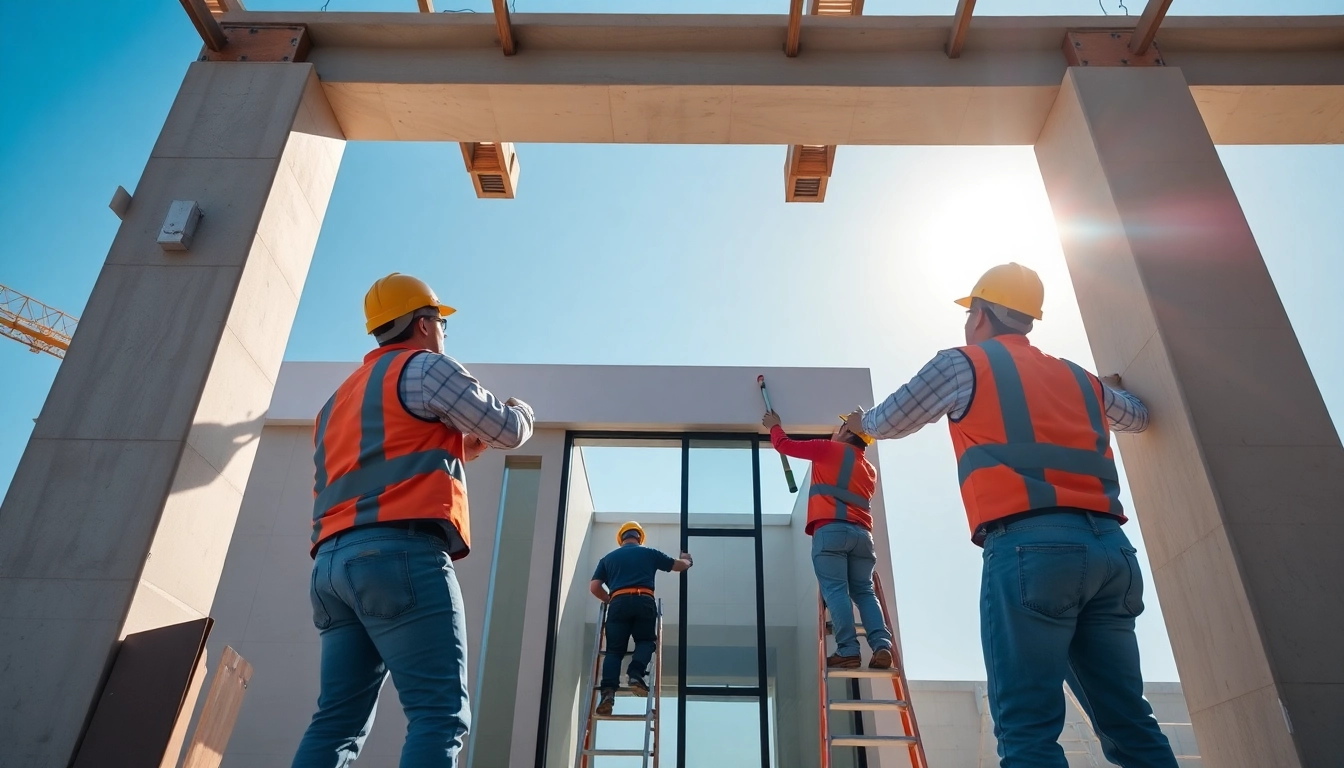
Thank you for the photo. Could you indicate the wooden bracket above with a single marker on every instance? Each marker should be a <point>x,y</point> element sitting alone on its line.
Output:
<point>807,169</point>
<point>1083,48</point>
<point>493,166</point>
<point>253,42</point>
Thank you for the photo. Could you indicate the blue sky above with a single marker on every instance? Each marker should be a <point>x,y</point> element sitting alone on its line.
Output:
<point>638,254</point>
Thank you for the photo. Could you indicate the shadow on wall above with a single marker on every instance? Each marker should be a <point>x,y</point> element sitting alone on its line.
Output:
<point>218,444</point>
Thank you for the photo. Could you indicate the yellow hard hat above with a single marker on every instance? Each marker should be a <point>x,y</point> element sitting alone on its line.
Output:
<point>397,295</point>
<point>630,526</point>
<point>844,419</point>
<point>1010,285</point>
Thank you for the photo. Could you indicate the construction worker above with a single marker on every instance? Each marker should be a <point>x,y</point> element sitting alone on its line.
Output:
<point>389,518</point>
<point>624,581</point>
<point>840,522</point>
<point>1060,585</point>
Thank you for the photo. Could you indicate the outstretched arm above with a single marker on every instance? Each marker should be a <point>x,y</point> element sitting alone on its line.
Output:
<point>943,387</point>
<point>682,564</point>
<point>1124,410</point>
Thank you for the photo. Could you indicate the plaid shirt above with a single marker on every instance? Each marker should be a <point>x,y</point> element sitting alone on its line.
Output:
<point>946,386</point>
<point>437,387</point>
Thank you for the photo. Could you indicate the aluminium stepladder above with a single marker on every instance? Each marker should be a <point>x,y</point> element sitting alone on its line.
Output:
<point>586,748</point>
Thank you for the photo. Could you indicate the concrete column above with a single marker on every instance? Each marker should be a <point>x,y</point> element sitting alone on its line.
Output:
<point>1238,482</point>
<point>120,513</point>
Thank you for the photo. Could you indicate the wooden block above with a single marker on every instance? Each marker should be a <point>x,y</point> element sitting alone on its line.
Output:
<point>220,713</point>
<point>493,166</point>
<point>807,169</point>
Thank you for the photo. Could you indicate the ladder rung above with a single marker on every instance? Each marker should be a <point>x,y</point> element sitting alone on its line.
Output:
<point>616,753</point>
<point>622,718</point>
<point>871,741</point>
<point>868,705</point>
<point>861,672</point>
<point>621,691</point>
<point>858,629</point>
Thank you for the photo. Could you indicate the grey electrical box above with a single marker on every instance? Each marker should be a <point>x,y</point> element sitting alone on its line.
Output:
<point>180,225</point>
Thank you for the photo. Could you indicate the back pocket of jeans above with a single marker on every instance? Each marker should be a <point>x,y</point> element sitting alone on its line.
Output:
<point>1134,592</point>
<point>1051,577</point>
<point>382,584</point>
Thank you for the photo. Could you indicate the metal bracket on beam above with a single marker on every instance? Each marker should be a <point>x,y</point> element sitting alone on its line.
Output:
<point>493,166</point>
<point>807,169</point>
<point>250,42</point>
<point>1106,49</point>
<point>505,27</point>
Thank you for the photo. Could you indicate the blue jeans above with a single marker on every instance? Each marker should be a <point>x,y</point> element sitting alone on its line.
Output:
<point>629,616</point>
<point>1058,598</point>
<point>842,555</point>
<point>386,601</point>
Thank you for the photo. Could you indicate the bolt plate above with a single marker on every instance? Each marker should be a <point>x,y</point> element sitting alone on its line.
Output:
<point>251,42</point>
<point>1107,49</point>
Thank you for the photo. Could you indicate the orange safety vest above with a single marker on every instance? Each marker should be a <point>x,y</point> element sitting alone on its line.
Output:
<point>1035,436</point>
<point>377,462</point>
<point>841,491</point>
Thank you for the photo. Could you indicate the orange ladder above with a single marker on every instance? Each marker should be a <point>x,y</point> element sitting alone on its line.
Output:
<point>586,751</point>
<point>900,687</point>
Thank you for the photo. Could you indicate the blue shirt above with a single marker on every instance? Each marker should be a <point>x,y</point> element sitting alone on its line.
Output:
<point>631,566</point>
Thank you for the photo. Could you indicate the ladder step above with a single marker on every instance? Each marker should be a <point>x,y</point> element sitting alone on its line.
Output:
<point>862,672</point>
<point>868,705</point>
<point>871,741</point>
<point>858,629</point>
<point>622,718</point>
<point>616,753</point>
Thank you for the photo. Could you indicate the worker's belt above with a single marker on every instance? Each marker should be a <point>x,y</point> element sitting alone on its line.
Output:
<point>632,591</point>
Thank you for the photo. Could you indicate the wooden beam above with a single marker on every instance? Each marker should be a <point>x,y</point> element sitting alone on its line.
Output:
<point>426,6</point>
<point>220,713</point>
<point>1146,31</point>
<point>504,27</point>
<point>793,40</point>
<point>206,25</point>
<point>961,24</point>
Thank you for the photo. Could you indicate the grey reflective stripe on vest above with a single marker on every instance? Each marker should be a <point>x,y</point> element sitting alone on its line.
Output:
<point>374,478</point>
<point>844,498</point>
<point>1096,413</point>
<point>1023,454</point>
<point>372,435</point>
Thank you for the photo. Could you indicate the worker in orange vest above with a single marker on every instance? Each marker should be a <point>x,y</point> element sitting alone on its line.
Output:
<point>840,522</point>
<point>389,518</point>
<point>1060,587</point>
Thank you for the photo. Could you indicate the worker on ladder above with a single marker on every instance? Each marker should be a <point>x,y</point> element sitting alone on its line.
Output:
<point>1060,585</point>
<point>840,523</point>
<point>624,581</point>
<point>389,518</point>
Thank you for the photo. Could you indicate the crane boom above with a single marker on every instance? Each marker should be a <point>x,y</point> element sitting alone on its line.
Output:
<point>30,322</point>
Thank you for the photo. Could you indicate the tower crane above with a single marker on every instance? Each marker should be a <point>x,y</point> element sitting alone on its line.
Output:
<point>29,321</point>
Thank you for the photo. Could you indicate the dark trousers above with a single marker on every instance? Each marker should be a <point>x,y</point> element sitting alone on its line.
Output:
<point>629,616</point>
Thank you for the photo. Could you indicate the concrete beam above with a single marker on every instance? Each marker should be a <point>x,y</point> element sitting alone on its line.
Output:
<point>718,79</point>
<point>1238,481</point>
<point>121,510</point>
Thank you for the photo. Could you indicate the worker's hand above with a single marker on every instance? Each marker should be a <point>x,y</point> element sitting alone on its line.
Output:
<point>855,421</point>
<point>687,557</point>
<point>472,447</point>
<point>770,420</point>
<point>1111,380</point>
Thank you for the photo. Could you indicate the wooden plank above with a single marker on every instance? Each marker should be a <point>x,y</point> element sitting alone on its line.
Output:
<point>1146,31</point>
<point>504,27</point>
<point>961,24</point>
<point>426,6</point>
<point>206,25</point>
<point>220,712</point>
<point>793,40</point>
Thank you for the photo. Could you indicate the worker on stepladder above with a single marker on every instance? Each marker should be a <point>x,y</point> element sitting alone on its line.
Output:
<point>389,519</point>
<point>840,522</point>
<point>1060,585</point>
<point>624,581</point>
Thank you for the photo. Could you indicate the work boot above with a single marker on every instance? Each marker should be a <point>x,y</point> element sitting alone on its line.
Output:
<point>881,659</point>
<point>638,685</point>
<point>836,661</point>
<point>608,701</point>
